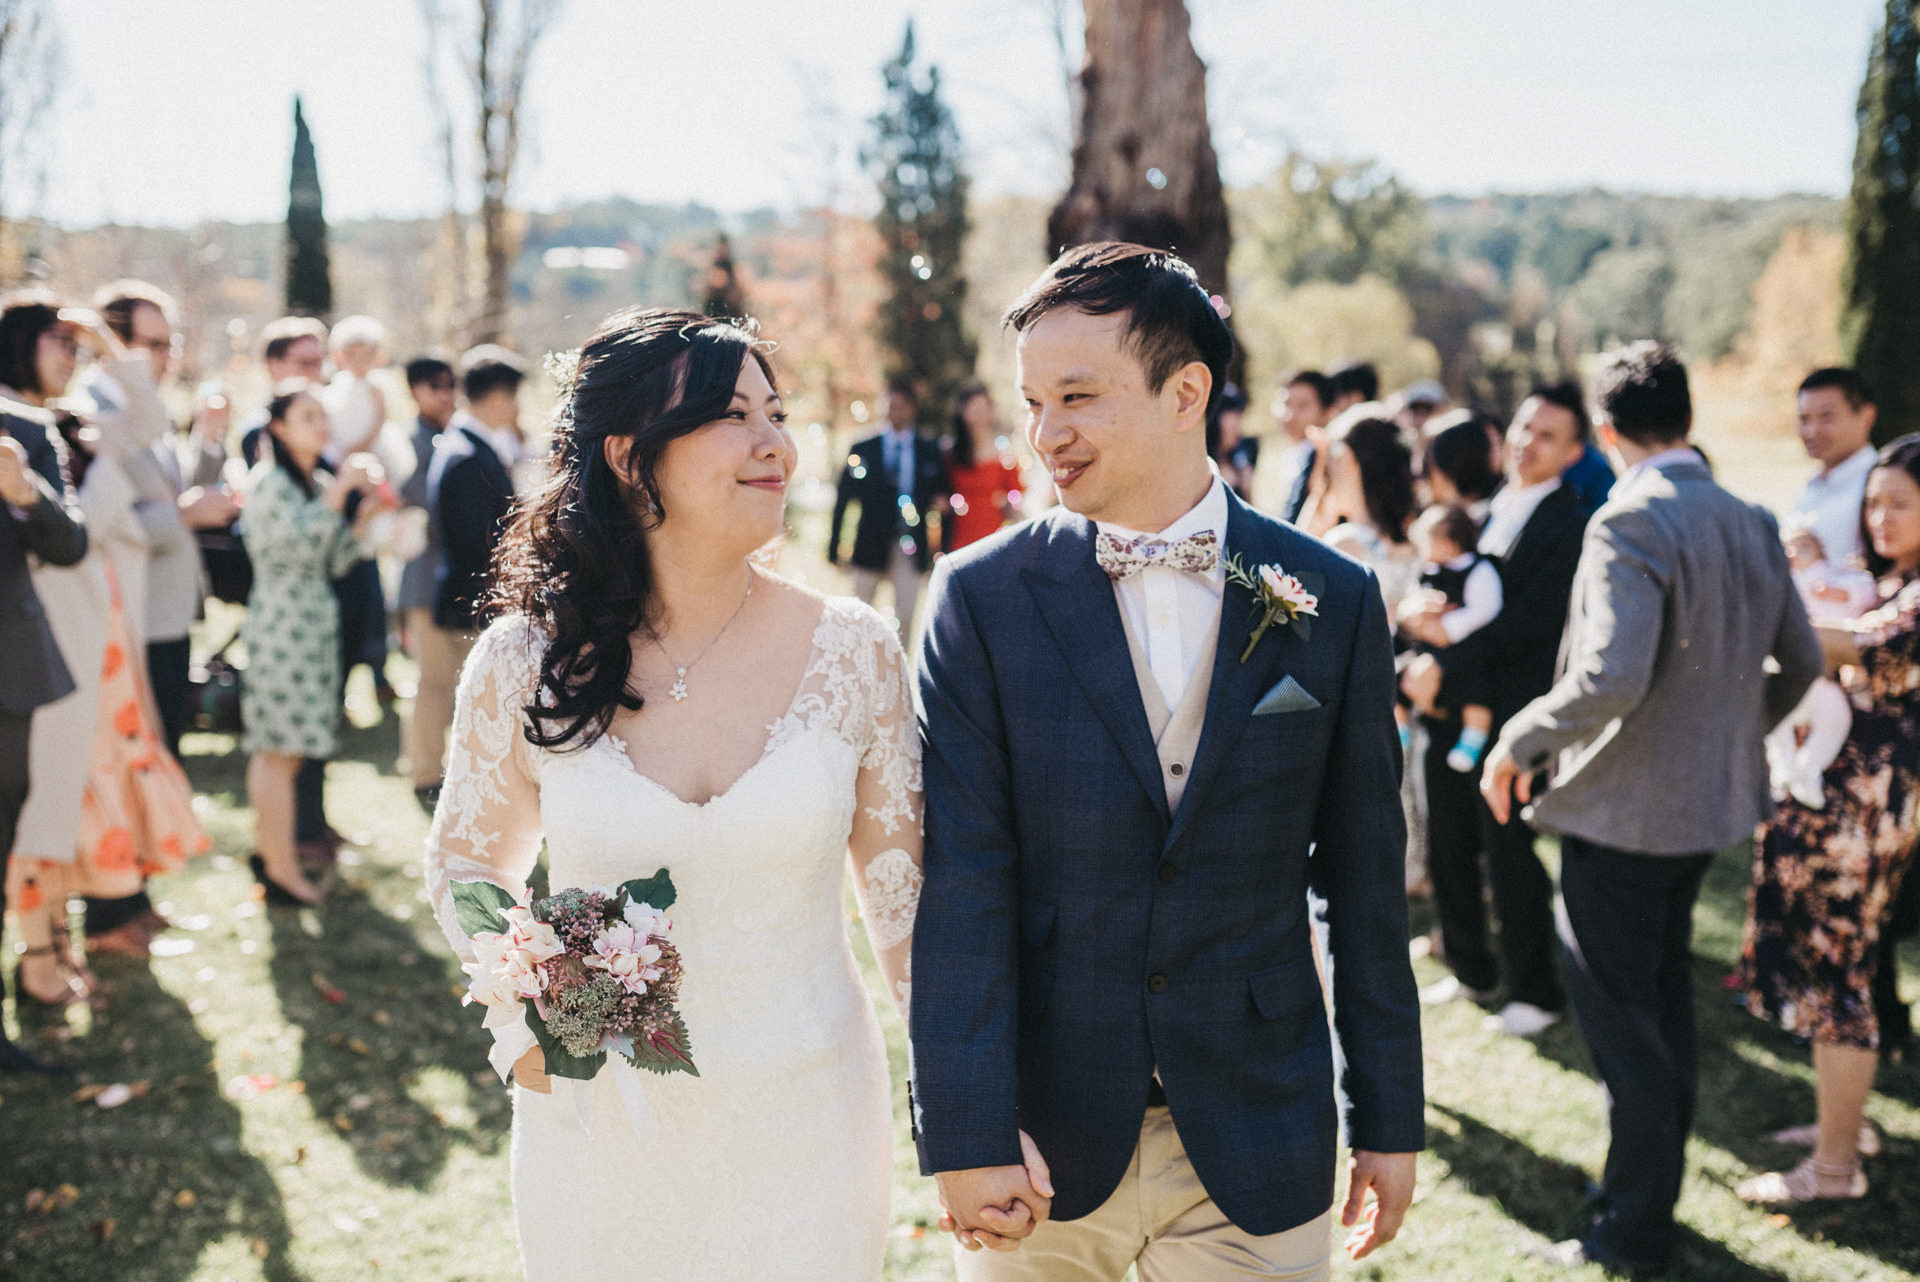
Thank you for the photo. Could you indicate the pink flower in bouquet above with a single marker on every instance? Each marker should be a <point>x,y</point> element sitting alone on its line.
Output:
<point>627,955</point>
<point>500,976</point>
<point>531,935</point>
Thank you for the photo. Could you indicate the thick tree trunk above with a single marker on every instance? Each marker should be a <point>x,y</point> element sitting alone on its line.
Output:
<point>1144,168</point>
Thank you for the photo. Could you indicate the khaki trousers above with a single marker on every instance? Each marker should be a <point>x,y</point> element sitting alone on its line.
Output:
<point>1161,1219</point>
<point>440,654</point>
<point>906,578</point>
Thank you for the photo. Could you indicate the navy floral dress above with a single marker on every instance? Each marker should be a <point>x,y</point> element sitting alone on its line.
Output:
<point>1823,878</point>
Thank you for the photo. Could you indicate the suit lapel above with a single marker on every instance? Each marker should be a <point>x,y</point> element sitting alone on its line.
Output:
<point>1236,686</point>
<point>1076,602</point>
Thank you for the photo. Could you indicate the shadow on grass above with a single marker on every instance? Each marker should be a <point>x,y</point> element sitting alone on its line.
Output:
<point>377,1009</point>
<point>1548,1196</point>
<point>173,1157</point>
<point>1742,1102</point>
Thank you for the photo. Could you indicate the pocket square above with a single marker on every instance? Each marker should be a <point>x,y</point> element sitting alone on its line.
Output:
<point>1288,696</point>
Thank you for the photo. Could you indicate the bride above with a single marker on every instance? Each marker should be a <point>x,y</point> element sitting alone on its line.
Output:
<point>652,698</point>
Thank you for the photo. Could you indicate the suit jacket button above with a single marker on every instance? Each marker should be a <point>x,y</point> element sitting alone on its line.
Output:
<point>1176,770</point>
<point>1156,983</point>
<point>1167,873</point>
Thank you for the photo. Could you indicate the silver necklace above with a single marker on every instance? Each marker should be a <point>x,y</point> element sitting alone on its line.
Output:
<point>679,689</point>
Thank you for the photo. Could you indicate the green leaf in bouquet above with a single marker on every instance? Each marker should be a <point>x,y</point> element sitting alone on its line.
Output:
<point>656,892</point>
<point>480,907</point>
<point>560,1062</point>
<point>667,1051</point>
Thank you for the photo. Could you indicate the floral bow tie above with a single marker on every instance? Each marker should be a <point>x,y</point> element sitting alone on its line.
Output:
<point>1121,558</point>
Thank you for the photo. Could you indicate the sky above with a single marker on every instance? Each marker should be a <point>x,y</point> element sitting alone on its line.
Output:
<point>178,112</point>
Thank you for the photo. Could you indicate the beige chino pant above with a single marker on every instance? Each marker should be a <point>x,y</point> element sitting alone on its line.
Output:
<point>1163,1220</point>
<point>440,654</point>
<point>907,579</point>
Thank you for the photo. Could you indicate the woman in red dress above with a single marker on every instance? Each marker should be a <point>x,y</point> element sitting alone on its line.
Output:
<point>986,480</point>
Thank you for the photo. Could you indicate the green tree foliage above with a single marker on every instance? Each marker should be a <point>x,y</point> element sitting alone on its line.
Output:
<point>1880,328</point>
<point>309,283</point>
<point>923,224</point>
<point>1333,220</point>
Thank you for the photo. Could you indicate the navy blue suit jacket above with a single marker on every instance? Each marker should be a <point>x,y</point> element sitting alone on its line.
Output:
<point>469,497</point>
<point>1073,936</point>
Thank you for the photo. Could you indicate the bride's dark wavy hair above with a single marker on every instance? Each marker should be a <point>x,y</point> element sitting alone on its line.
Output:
<point>574,559</point>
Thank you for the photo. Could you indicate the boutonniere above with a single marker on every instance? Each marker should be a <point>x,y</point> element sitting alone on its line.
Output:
<point>1278,597</point>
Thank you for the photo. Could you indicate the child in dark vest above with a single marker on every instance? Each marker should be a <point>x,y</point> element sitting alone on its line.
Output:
<point>1447,539</point>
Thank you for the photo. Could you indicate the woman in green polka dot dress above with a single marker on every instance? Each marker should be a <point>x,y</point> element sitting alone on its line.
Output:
<point>299,539</point>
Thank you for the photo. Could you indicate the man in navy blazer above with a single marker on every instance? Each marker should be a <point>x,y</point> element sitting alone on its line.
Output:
<point>1120,1048</point>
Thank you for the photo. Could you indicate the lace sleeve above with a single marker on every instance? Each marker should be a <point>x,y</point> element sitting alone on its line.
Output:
<point>487,825</point>
<point>886,838</point>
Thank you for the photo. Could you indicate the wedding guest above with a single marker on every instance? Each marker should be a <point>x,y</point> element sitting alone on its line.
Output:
<point>39,514</point>
<point>85,606</point>
<point>1303,406</point>
<point>356,407</point>
<point>1837,416</point>
<point>985,477</point>
<point>291,347</point>
<point>1368,503</point>
<point>1416,405</point>
<point>1233,452</point>
<point>896,478</point>
<point>294,347</point>
<point>1659,765</point>
<point>174,500</point>
<point>1534,526</point>
<point>430,382</point>
<point>300,538</point>
<point>1458,464</point>
<point>469,498</point>
<point>1826,874</point>
<point>1354,383</point>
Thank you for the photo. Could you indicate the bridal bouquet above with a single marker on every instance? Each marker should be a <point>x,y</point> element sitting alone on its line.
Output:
<point>589,971</point>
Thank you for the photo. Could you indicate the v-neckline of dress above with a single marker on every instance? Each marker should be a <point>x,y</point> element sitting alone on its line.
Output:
<point>771,744</point>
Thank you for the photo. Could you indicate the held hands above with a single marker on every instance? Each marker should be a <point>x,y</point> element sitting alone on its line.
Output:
<point>995,1206</point>
<point>1389,1178</point>
<point>16,476</point>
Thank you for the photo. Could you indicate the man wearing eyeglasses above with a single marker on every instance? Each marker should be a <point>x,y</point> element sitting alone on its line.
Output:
<point>177,496</point>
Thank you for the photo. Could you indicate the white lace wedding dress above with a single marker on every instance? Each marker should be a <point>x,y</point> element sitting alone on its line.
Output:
<point>776,1162</point>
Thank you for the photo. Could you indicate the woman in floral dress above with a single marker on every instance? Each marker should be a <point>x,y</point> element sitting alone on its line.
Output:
<point>1824,877</point>
<point>299,539</point>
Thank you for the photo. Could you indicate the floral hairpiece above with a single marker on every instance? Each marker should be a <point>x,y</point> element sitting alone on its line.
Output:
<point>564,369</point>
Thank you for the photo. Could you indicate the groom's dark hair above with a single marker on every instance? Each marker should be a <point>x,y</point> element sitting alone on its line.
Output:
<point>1171,318</point>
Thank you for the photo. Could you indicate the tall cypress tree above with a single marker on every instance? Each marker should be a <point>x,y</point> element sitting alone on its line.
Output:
<point>915,157</point>
<point>1880,330</point>
<point>309,283</point>
<point>723,298</point>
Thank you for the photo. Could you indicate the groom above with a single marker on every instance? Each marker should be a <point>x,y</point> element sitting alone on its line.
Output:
<point>1126,810</point>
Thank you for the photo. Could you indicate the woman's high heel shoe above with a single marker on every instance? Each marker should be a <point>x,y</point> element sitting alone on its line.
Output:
<point>73,989</point>
<point>278,896</point>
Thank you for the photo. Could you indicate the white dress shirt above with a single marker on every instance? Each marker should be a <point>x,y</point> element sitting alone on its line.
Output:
<point>1170,611</point>
<point>1481,597</point>
<point>1508,513</point>
<point>1830,506</point>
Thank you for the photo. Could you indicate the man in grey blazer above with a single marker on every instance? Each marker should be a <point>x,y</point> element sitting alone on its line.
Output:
<point>1656,722</point>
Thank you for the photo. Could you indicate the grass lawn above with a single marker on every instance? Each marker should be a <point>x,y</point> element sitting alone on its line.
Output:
<point>312,1102</point>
